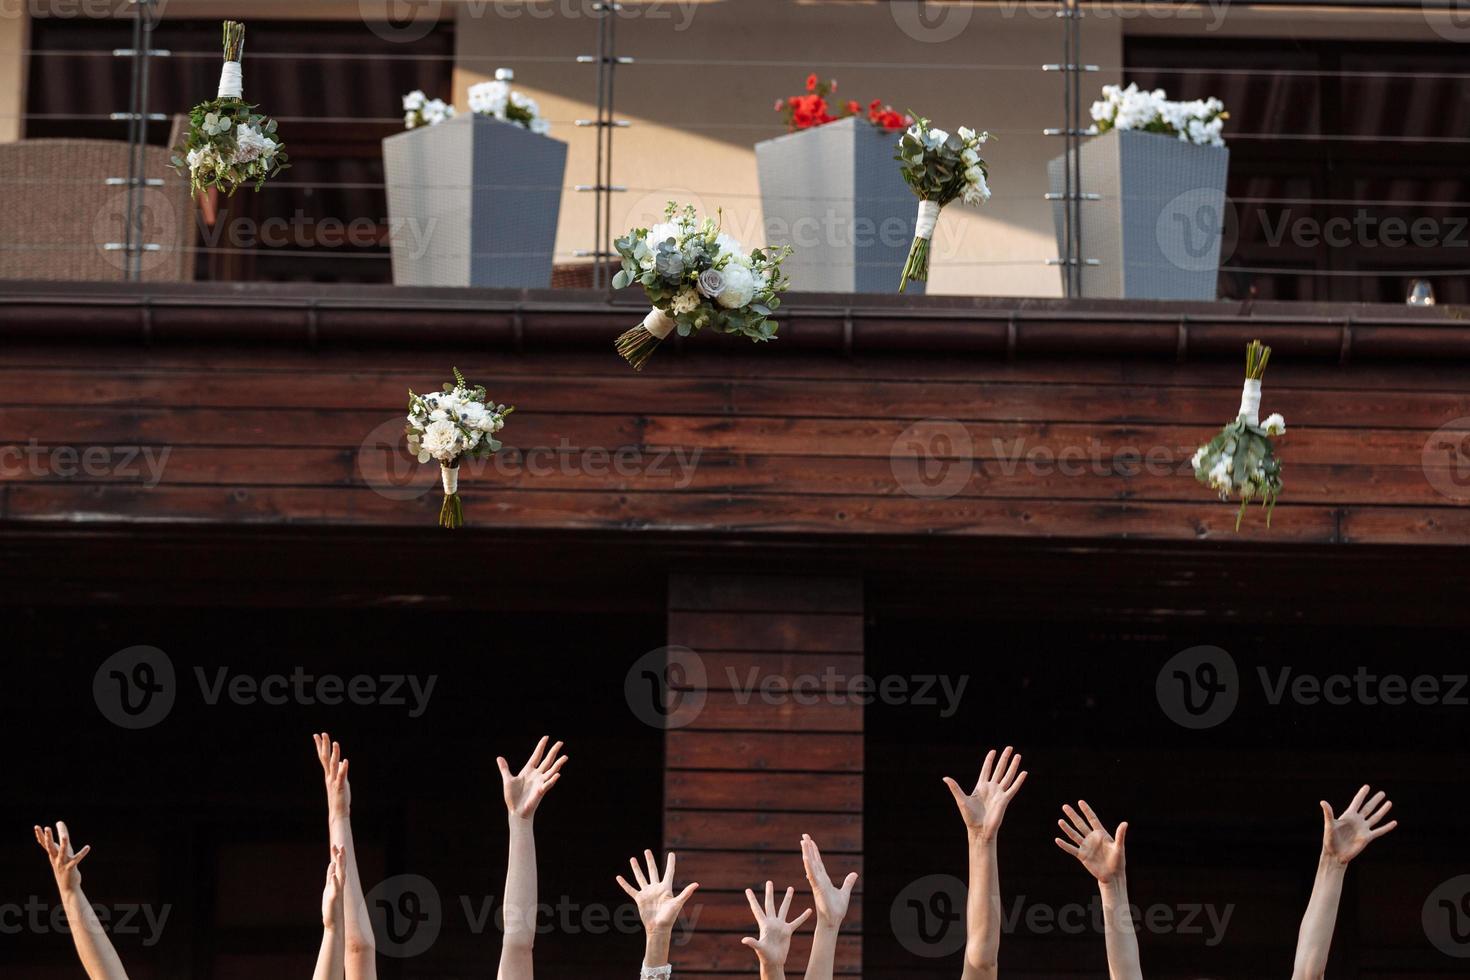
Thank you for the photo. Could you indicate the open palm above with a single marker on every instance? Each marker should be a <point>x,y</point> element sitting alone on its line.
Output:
<point>1344,837</point>
<point>774,942</point>
<point>658,904</point>
<point>1100,852</point>
<point>984,807</point>
<point>525,790</point>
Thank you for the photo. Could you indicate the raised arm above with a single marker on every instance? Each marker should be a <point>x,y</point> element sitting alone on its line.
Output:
<point>523,794</point>
<point>774,942</point>
<point>359,949</point>
<point>830,903</point>
<point>98,957</point>
<point>659,907</point>
<point>983,810</point>
<point>329,960</point>
<point>1101,854</point>
<point>1343,838</point>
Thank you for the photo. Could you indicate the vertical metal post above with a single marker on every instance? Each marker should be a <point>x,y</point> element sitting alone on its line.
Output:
<point>602,188</point>
<point>132,246</point>
<point>1071,257</point>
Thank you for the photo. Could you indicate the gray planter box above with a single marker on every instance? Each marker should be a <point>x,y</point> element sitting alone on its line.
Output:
<point>473,202</point>
<point>1156,231</point>
<point>834,193</point>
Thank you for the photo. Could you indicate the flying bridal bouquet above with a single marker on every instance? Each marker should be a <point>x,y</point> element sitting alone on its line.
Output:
<point>938,168</point>
<point>498,99</point>
<point>419,110</point>
<point>1199,121</point>
<point>229,144</point>
<point>448,426</point>
<point>697,276</point>
<point>1241,461</point>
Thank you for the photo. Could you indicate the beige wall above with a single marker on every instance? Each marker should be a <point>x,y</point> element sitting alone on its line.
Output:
<point>703,92</point>
<point>15,35</point>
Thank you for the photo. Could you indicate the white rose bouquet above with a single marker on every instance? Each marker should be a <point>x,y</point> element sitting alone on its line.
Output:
<point>228,143</point>
<point>938,167</point>
<point>449,425</point>
<point>1199,121</point>
<point>498,99</point>
<point>1241,460</point>
<point>419,110</point>
<point>697,276</point>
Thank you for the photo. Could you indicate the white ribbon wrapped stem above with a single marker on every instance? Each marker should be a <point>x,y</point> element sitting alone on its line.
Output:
<point>1250,401</point>
<point>658,323</point>
<point>928,218</point>
<point>450,475</point>
<point>232,81</point>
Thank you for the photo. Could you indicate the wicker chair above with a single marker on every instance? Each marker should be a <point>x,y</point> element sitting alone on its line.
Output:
<point>58,213</point>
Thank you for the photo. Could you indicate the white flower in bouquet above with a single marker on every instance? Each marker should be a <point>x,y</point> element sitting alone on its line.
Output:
<point>686,300</point>
<point>1274,425</point>
<point>739,287</point>
<point>415,101</point>
<point>442,440</point>
<point>252,144</point>
<point>696,276</point>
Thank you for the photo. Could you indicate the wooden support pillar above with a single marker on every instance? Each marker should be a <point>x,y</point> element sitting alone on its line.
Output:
<point>765,743</point>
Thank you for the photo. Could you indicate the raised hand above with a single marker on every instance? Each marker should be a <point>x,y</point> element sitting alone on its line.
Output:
<point>984,807</point>
<point>774,941</point>
<point>64,860</point>
<point>332,893</point>
<point>334,773</point>
<point>829,901</point>
<point>94,948</point>
<point>525,790</point>
<point>1101,853</point>
<point>1344,837</point>
<point>658,905</point>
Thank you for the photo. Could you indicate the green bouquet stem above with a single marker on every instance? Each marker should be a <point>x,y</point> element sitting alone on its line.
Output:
<point>451,515</point>
<point>637,345</point>
<point>916,269</point>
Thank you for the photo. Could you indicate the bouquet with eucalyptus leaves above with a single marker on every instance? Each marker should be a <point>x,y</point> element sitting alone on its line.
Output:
<point>1241,461</point>
<point>696,276</point>
<point>449,425</point>
<point>938,167</point>
<point>229,143</point>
